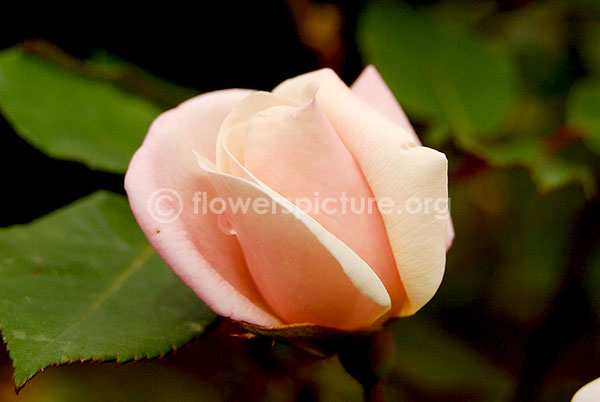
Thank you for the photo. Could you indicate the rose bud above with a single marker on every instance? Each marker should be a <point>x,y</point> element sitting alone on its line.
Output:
<point>217,187</point>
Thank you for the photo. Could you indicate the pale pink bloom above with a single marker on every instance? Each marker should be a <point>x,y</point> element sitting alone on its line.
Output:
<point>310,135</point>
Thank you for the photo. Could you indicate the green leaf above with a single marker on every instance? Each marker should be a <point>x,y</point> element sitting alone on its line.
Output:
<point>435,136</point>
<point>83,283</point>
<point>550,174</point>
<point>69,116</point>
<point>583,112</point>
<point>457,80</point>
<point>435,362</point>
<point>520,151</point>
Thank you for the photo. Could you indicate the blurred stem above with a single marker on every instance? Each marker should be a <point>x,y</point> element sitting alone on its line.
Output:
<point>127,77</point>
<point>374,393</point>
<point>369,358</point>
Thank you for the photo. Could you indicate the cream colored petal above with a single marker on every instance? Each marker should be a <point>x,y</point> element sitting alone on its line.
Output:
<point>397,168</point>
<point>296,152</point>
<point>304,272</point>
<point>231,140</point>
<point>370,87</point>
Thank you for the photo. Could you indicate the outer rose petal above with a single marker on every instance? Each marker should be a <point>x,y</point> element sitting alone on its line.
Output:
<point>370,87</point>
<point>394,167</point>
<point>306,274</point>
<point>199,119</point>
<point>588,393</point>
<point>209,262</point>
<point>296,152</point>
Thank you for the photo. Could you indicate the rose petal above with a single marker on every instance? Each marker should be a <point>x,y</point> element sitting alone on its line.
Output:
<point>199,119</point>
<point>208,261</point>
<point>394,167</point>
<point>296,152</point>
<point>231,140</point>
<point>370,87</point>
<point>305,273</point>
<point>588,393</point>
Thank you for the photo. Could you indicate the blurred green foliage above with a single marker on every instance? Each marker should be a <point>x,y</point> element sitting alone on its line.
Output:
<point>583,112</point>
<point>448,76</point>
<point>510,92</point>
<point>493,82</point>
<point>507,93</point>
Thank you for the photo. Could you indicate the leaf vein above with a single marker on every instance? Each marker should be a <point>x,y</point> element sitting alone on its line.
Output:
<point>136,263</point>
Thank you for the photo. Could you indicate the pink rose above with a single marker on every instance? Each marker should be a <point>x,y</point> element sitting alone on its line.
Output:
<point>282,261</point>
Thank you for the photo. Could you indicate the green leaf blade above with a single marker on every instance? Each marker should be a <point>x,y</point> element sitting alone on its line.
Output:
<point>83,284</point>
<point>71,117</point>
